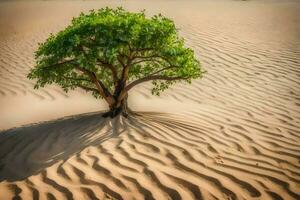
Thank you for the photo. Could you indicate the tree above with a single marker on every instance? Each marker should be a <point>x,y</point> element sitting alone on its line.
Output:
<point>110,51</point>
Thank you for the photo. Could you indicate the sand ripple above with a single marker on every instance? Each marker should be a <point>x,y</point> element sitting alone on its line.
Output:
<point>148,156</point>
<point>232,135</point>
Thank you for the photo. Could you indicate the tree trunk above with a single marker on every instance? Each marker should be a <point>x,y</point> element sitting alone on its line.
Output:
<point>118,108</point>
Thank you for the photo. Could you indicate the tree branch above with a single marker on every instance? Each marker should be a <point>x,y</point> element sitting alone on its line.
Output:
<point>145,79</point>
<point>124,74</point>
<point>151,78</point>
<point>152,57</point>
<point>123,80</point>
<point>112,69</point>
<point>90,89</point>
<point>120,61</point>
<point>100,86</point>
<point>77,79</point>
<point>145,60</point>
<point>163,69</point>
<point>103,91</point>
<point>144,49</point>
<point>59,64</point>
<point>87,88</point>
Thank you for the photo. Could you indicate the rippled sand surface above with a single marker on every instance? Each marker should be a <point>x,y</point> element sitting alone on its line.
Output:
<point>235,134</point>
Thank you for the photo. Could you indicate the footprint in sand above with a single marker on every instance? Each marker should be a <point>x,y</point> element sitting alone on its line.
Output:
<point>219,160</point>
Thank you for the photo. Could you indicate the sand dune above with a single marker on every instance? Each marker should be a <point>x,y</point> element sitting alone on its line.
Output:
<point>232,135</point>
<point>148,156</point>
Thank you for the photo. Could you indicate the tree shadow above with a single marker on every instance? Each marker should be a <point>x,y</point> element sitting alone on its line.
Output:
<point>27,150</point>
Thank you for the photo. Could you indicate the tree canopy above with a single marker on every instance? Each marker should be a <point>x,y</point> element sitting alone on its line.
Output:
<point>109,51</point>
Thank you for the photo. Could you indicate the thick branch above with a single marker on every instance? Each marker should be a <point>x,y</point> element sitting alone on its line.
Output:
<point>121,83</point>
<point>100,86</point>
<point>125,70</point>
<point>103,91</point>
<point>123,80</point>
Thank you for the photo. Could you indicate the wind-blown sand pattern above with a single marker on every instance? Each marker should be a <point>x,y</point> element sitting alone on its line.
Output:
<point>235,134</point>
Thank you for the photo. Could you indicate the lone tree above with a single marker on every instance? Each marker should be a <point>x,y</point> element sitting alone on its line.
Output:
<point>109,51</point>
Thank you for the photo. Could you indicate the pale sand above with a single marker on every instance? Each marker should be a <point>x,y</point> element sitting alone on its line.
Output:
<point>235,134</point>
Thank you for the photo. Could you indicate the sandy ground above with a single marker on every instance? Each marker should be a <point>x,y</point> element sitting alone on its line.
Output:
<point>235,134</point>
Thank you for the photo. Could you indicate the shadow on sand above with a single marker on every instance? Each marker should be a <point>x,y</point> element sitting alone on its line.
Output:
<point>25,151</point>
<point>28,150</point>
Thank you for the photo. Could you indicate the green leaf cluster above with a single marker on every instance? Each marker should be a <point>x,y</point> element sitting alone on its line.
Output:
<point>108,41</point>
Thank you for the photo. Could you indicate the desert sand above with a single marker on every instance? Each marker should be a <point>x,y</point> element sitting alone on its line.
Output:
<point>235,134</point>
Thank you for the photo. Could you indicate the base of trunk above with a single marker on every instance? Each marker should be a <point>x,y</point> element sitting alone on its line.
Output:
<point>122,108</point>
<point>113,112</point>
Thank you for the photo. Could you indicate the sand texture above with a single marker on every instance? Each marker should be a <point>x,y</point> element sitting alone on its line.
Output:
<point>235,134</point>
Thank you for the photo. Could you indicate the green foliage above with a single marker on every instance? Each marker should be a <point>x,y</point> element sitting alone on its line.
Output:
<point>109,40</point>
